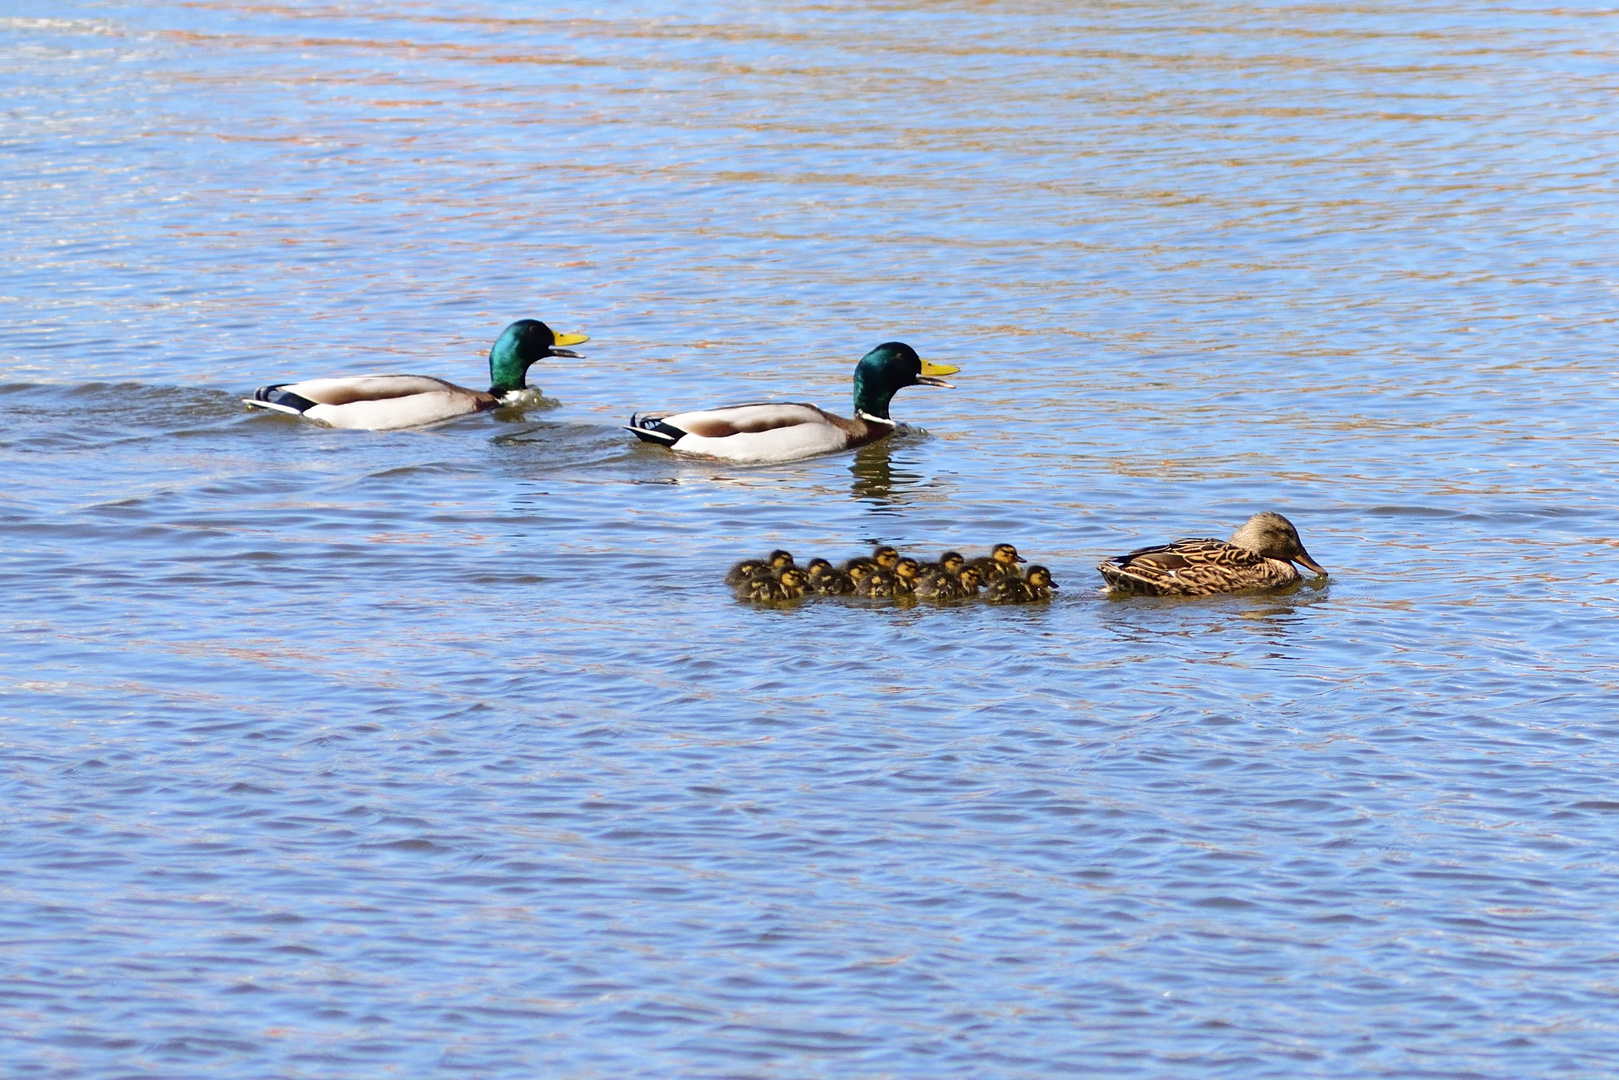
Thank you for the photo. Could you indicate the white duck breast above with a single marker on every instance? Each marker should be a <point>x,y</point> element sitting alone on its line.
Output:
<point>771,432</point>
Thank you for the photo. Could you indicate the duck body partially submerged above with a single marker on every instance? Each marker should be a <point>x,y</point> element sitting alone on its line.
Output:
<point>1259,555</point>
<point>392,402</point>
<point>766,432</point>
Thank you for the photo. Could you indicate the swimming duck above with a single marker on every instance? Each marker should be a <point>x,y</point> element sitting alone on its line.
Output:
<point>786,431</point>
<point>938,586</point>
<point>789,586</point>
<point>772,564</point>
<point>1036,586</point>
<point>878,583</point>
<point>1001,562</point>
<point>826,580</point>
<point>906,572</point>
<point>859,566</point>
<point>388,402</point>
<point>950,563</point>
<point>1259,555</point>
<point>885,557</point>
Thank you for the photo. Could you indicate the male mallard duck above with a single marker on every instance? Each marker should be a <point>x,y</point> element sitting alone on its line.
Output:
<point>1259,555</point>
<point>1000,563</point>
<point>789,586</point>
<point>772,564</point>
<point>1033,588</point>
<point>386,402</point>
<point>786,431</point>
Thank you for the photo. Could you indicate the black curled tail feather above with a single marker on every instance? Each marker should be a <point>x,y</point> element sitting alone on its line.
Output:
<point>653,429</point>
<point>275,395</point>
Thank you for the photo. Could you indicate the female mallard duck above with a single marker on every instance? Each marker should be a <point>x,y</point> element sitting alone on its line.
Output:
<point>786,431</point>
<point>1259,555</point>
<point>1033,588</point>
<point>1000,563</point>
<point>387,402</point>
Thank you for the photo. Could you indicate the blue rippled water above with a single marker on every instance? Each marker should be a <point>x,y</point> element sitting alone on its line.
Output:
<point>338,754</point>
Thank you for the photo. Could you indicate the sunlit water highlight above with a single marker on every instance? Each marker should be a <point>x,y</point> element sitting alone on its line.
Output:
<point>446,752</point>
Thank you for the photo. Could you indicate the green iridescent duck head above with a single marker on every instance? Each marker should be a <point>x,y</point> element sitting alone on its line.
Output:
<point>887,369</point>
<point>520,345</point>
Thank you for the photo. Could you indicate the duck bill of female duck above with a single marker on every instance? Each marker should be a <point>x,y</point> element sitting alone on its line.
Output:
<point>1303,558</point>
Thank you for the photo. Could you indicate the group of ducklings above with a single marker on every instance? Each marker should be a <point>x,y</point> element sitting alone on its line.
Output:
<point>1259,555</point>
<point>886,574</point>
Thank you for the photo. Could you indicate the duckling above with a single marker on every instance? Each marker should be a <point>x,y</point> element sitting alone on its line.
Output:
<point>789,586</point>
<point>884,556</point>
<point>390,402</point>
<point>826,580</point>
<point>1000,563</point>
<point>1259,555</point>
<point>1034,588</point>
<point>938,586</point>
<point>741,572</point>
<point>771,565</point>
<point>906,573</point>
<point>877,584</point>
<point>858,567</point>
<point>787,431</point>
<point>968,582</point>
<point>950,563</point>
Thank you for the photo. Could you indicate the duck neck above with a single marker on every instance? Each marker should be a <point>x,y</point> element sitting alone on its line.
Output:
<point>871,400</point>
<point>507,370</point>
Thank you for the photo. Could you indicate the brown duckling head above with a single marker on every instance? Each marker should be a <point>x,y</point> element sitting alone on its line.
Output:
<point>1273,536</point>
<point>817,569</point>
<point>884,556</point>
<point>951,562</point>
<point>779,560</point>
<point>971,579</point>
<point>1039,577</point>
<point>793,581</point>
<point>907,569</point>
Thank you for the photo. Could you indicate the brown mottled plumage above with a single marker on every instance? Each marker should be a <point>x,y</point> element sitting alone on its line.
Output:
<point>1259,555</point>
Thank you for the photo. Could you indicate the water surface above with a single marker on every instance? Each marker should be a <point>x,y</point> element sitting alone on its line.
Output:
<point>446,753</point>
